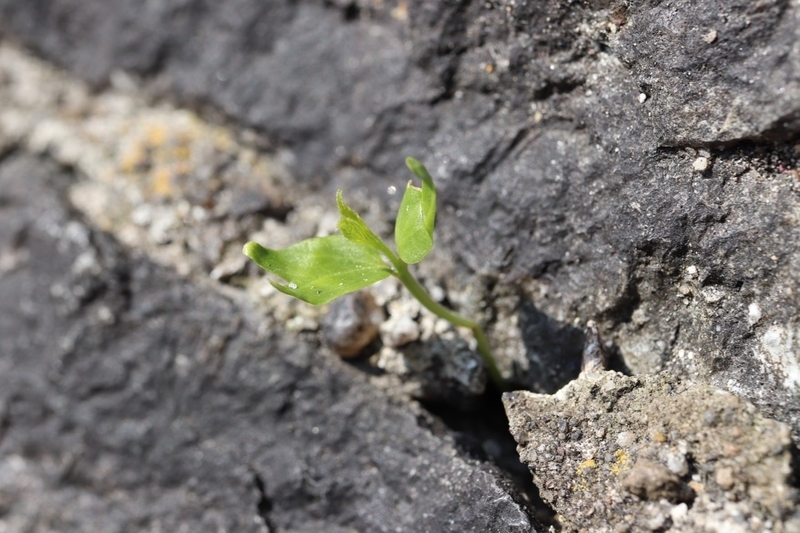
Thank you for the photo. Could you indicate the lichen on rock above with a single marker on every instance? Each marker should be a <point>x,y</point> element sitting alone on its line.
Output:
<point>617,453</point>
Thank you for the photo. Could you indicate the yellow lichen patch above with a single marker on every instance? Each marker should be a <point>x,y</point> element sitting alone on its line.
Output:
<point>157,135</point>
<point>620,464</point>
<point>222,140</point>
<point>182,152</point>
<point>582,469</point>
<point>588,463</point>
<point>131,159</point>
<point>659,437</point>
<point>161,182</point>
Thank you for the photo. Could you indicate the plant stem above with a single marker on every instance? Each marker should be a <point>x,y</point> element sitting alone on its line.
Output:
<point>413,286</point>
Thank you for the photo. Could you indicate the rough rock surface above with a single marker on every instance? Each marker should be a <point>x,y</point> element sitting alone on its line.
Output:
<point>133,400</point>
<point>617,453</point>
<point>172,185</point>
<point>631,163</point>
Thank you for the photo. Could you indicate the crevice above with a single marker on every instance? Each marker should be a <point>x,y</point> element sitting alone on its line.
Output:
<point>451,43</point>
<point>547,267</point>
<point>794,477</point>
<point>264,505</point>
<point>495,156</point>
<point>673,340</point>
<point>448,83</point>
<point>351,12</point>
<point>481,433</point>
<point>622,310</point>
<point>8,151</point>
<point>553,348</point>
<point>554,88</point>
<point>5,421</point>
<point>714,276</point>
<point>158,64</point>
<point>769,139</point>
<point>616,361</point>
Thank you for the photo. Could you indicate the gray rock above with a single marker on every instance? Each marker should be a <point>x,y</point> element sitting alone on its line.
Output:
<point>442,369</point>
<point>590,155</point>
<point>132,399</point>
<point>636,165</point>
<point>605,452</point>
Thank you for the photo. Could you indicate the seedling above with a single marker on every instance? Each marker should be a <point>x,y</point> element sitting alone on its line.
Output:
<point>321,269</point>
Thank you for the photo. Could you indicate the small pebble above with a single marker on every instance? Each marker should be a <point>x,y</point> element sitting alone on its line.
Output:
<point>297,324</point>
<point>105,315</point>
<point>679,512</point>
<point>392,361</point>
<point>625,439</point>
<point>753,314</point>
<point>677,464</point>
<point>712,294</point>
<point>436,292</point>
<point>398,331</point>
<point>657,522</point>
<point>352,323</point>
<point>724,478</point>
<point>700,164</point>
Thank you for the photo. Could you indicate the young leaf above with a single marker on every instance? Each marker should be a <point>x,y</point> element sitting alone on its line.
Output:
<point>413,231</point>
<point>355,229</point>
<point>321,269</point>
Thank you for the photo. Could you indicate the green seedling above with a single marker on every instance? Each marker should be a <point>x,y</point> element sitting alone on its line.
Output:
<point>321,269</point>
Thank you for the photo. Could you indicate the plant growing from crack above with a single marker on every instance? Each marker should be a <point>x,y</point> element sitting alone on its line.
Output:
<point>321,269</point>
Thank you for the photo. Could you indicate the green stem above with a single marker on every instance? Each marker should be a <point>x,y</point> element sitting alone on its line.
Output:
<point>413,286</point>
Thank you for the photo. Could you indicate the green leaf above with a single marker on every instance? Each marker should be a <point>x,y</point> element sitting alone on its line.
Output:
<point>321,269</point>
<point>356,230</point>
<point>413,230</point>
